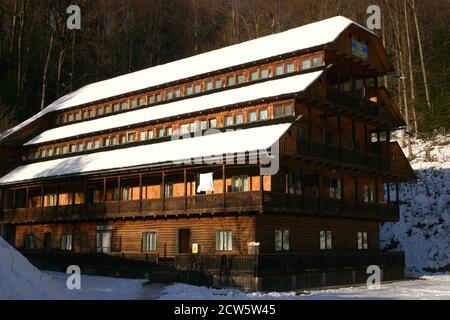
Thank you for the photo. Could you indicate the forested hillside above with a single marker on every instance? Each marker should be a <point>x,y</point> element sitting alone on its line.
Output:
<point>41,60</point>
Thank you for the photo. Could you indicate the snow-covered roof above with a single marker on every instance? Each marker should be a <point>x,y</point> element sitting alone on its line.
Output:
<point>203,147</point>
<point>289,85</point>
<point>307,36</point>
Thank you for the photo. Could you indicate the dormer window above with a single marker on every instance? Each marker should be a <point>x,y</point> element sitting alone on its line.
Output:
<point>306,64</point>
<point>208,85</point>
<point>264,73</point>
<point>290,67</point>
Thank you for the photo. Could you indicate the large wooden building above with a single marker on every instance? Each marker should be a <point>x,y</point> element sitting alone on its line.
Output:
<point>272,153</point>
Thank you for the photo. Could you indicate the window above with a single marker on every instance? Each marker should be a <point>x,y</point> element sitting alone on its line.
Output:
<point>239,119</point>
<point>290,67</point>
<point>278,112</point>
<point>29,242</point>
<point>97,144</point>
<point>169,190</point>
<point>149,241</point>
<point>264,73</point>
<point>306,64</point>
<point>99,111</point>
<point>239,184</point>
<point>151,99</point>
<point>141,101</point>
<point>169,131</point>
<point>65,150</point>
<point>58,151</point>
<point>177,93</point>
<point>131,137</point>
<point>208,85</point>
<point>43,153</point>
<point>240,78</point>
<point>124,106</point>
<point>252,116</point>
<point>127,194</point>
<point>108,109</point>
<point>66,242</point>
<point>362,241</point>
<point>104,235</point>
<point>86,114</point>
<point>169,95</point>
<point>188,91</point>
<point>92,113</point>
<point>50,152</point>
<point>212,123</point>
<point>218,84</point>
<point>281,240</point>
<point>317,61</point>
<point>203,125</point>
<point>70,118</point>
<point>231,81</point>
<point>326,242</point>
<point>224,240</point>
<point>295,183</point>
<point>143,136</point>
<point>263,114</point>
<point>89,145</point>
<point>229,121</point>
<point>122,139</point>
<point>150,134</point>
<point>279,70</point>
<point>158,97</point>
<point>161,132</point>
<point>134,103</point>
<point>73,148</point>
<point>78,116</point>
<point>369,193</point>
<point>197,88</point>
<point>80,147</point>
<point>50,200</point>
<point>283,111</point>
<point>184,129</point>
<point>254,76</point>
<point>116,107</point>
<point>334,187</point>
<point>193,127</point>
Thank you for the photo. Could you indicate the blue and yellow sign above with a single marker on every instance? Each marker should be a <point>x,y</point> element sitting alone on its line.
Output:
<point>360,50</point>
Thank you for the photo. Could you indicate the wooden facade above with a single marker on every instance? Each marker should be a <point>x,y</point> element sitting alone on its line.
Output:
<point>337,180</point>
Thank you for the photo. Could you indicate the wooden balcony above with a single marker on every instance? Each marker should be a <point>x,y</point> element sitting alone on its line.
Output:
<point>238,202</point>
<point>332,152</point>
<point>355,105</point>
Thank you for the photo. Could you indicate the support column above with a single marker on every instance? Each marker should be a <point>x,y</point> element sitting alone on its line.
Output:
<point>339,124</point>
<point>163,190</point>
<point>140,193</point>
<point>185,188</point>
<point>120,194</point>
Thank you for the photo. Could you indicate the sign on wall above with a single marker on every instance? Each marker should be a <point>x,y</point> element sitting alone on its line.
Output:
<point>360,50</point>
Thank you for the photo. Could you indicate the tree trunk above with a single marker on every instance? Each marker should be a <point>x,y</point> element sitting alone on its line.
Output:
<point>47,61</point>
<point>422,60</point>
<point>411,74</point>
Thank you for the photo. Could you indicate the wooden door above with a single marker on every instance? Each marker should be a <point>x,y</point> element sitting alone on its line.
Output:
<point>47,241</point>
<point>184,241</point>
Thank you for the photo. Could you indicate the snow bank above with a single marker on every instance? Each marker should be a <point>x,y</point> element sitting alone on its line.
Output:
<point>423,231</point>
<point>427,287</point>
<point>20,280</point>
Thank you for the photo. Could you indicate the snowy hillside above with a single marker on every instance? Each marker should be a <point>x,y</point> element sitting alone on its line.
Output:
<point>20,280</point>
<point>423,231</point>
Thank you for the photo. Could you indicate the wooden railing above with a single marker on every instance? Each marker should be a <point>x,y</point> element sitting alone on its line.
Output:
<point>332,152</point>
<point>356,104</point>
<point>230,202</point>
<point>292,263</point>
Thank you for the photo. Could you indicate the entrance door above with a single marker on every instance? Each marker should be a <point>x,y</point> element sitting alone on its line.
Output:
<point>184,241</point>
<point>47,241</point>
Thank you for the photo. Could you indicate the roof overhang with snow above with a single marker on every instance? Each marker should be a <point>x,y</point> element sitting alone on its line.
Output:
<point>205,148</point>
<point>264,90</point>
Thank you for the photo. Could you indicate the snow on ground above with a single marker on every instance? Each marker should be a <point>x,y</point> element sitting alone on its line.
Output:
<point>425,288</point>
<point>423,231</point>
<point>20,280</point>
<point>101,288</point>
